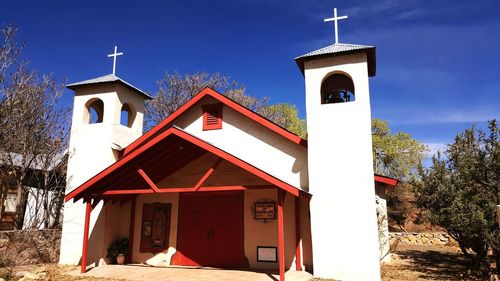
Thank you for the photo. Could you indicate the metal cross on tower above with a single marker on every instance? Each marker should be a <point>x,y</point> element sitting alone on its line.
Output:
<point>335,19</point>
<point>114,55</point>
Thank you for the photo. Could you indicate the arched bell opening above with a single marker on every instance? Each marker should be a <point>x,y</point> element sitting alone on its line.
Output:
<point>94,112</point>
<point>127,116</point>
<point>337,88</point>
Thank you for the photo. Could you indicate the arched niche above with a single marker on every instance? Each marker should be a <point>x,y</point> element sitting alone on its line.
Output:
<point>337,88</point>
<point>127,115</point>
<point>94,111</point>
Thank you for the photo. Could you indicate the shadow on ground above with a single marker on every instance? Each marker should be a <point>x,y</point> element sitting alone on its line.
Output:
<point>429,263</point>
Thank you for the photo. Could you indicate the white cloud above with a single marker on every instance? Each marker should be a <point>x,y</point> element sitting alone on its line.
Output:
<point>434,147</point>
<point>447,117</point>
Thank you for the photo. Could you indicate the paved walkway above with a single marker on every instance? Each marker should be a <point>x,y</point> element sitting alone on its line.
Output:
<point>140,273</point>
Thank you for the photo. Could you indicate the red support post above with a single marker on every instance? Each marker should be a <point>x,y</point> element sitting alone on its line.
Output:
<point>88,209</point>
<point>131,229</point>
<point>298,254</point>
<point>281,235</point>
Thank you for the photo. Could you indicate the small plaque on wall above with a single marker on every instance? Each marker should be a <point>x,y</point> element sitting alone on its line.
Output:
<point>265,210</point>
<point>267,254</point>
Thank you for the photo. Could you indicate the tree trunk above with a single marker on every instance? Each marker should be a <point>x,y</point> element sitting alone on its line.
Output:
<point>46,210</point>
<point>20,207</point>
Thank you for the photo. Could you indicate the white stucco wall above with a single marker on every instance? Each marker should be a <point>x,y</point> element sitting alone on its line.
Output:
<point>382,220</point>
<point>251,142</point>
<point>34,212</point>
<point>89,153</point>
<point>343,214</point>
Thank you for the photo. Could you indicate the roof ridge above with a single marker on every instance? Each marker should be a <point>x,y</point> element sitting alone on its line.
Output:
<point>106,79</point>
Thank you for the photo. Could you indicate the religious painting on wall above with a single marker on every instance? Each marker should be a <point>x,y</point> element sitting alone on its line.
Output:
<point>155,227</point>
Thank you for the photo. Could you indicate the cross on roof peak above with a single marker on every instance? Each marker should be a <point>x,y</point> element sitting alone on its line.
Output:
<point>114,55</point>
<point>335,19</point>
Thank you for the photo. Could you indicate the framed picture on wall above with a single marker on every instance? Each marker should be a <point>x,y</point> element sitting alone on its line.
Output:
<point>155,227</point>
<point>267,254</point>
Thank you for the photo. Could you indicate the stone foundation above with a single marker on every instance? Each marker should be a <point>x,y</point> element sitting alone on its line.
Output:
<point>422,238</point>
<point>26,247</point>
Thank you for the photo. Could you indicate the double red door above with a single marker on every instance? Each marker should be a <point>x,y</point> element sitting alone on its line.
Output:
<point>210,229</point>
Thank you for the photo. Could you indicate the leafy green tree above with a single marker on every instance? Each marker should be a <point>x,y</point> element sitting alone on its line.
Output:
<point>174,90</point>
<point>398,156</point>
<point>461,191</point>
<point>287,116</point>
<point>395,155</point>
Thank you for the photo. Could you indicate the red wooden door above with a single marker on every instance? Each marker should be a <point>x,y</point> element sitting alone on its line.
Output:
<point>210,229</point>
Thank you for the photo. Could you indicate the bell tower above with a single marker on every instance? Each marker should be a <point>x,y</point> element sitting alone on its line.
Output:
<point>341,180</point>
<point>107,116</point>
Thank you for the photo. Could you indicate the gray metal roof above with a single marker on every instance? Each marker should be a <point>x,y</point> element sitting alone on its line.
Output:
<point>340,49</point>
<point>108,79</point>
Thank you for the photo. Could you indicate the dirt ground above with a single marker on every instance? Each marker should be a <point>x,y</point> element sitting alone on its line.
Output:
<point>428,262</point>
<point>411,262</point>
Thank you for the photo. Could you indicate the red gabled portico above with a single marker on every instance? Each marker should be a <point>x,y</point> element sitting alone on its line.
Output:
<point>139,171</point>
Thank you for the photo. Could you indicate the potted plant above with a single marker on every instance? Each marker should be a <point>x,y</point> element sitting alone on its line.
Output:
<point>118,250</point>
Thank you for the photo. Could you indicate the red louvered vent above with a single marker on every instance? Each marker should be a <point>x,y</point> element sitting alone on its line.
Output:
<point>212,116</point>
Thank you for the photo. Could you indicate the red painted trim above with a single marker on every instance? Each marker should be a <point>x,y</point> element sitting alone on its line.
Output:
<point>116,165</point>
<point>386,180</point>
<point>131,229</point>
<point>88,209</point>
<point>281,235</point>
<point>298,255</point>
<point>128,191</point>
<point>214,110</point>
<point>238,162</point>
<point>148,180</point>
<point>198,142</point>
<point>228,102</point>
<point>207,174</point>
<point>174,189</point>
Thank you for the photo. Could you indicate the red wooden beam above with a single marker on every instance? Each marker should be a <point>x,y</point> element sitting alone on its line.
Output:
<point>207,174</point>
<point>298,255</point>
<point>174,189</point>
<point>238,162</point>
<point>221,188</point>
<point>196,141</point>
<point>128,191</point>
<point>88,209</point>
<point>281,235</point>
<point>148,180</point>
<point>131,230</point>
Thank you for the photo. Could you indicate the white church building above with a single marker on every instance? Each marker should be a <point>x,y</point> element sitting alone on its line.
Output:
<point>215,184</point>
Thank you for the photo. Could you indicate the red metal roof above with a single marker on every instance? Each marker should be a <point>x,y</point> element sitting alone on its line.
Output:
<point>386,180</point>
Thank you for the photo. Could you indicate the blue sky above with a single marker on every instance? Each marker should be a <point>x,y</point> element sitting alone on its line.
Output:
<point>438,62</point>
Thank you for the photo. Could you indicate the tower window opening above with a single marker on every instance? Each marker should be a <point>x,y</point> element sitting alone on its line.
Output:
<point>127,116</point>
<point>337,88</point>
<point>95,111</point>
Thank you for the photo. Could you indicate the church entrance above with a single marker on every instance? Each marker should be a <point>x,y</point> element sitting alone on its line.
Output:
<point>210,229</point>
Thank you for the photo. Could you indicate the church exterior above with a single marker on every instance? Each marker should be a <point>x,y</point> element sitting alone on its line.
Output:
<point>218,185</point>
